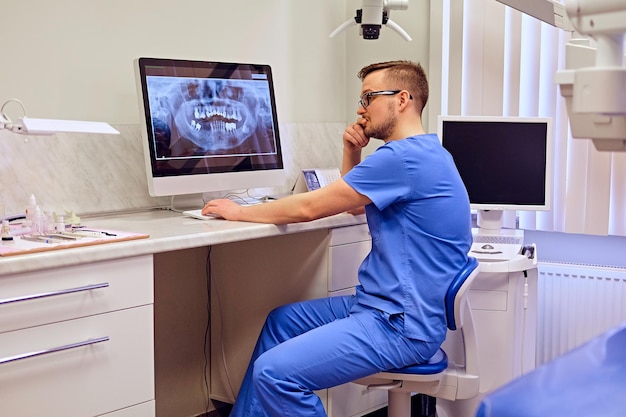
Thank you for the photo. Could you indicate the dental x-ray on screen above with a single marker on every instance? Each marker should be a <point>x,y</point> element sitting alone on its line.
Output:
<point>205,119</point>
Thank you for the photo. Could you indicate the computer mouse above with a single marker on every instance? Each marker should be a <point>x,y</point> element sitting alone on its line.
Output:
<point>486,246</point>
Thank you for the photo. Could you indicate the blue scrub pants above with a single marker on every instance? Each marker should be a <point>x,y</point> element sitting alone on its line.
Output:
<point>319,344</point>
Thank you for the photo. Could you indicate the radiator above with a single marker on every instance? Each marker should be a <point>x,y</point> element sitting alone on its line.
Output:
<point>576,303</point>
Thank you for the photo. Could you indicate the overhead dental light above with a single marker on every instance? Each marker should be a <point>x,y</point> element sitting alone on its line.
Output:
<point>594,80</point>
<point>372,16</point>
<point>30,126</point>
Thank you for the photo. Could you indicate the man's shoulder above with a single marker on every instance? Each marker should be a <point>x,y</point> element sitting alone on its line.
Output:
<point>426,142</point>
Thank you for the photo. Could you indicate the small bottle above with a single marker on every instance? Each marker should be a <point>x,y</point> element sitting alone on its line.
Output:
<point>60,224</point>
<point>48,222</point>
<point>38,221</point>
<point>6,228</point>
<point>26,227</point>
<point>30,208</point>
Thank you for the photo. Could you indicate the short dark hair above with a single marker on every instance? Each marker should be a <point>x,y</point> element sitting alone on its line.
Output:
<point>404,75</point>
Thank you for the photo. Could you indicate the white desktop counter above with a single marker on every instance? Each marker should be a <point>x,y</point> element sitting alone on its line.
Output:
<point>168,231</point>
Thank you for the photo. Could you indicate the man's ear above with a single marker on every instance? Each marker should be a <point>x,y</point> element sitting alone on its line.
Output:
<point>405,99</point>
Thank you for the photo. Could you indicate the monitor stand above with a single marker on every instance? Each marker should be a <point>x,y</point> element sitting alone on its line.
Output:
<point>186,202</point>
<point>490,219</point>
<point>490,231</point>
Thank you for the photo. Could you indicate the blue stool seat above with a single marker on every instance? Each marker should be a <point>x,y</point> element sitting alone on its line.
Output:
<point>438,363</point>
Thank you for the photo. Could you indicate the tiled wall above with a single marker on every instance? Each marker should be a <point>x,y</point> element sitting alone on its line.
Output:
<point>102,173</point>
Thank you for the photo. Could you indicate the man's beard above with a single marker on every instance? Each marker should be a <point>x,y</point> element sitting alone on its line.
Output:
<point>384,130</point>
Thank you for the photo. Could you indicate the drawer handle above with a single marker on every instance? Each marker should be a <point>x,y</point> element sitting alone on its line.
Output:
<point>53,293</point>
<point>53,350</point>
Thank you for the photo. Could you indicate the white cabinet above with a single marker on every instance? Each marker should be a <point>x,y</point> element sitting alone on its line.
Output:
<point>348,247</point>
<point>78,340</point>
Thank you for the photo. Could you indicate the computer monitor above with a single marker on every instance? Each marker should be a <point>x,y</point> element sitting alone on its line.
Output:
<point>208,126</point>
<point>505,162</point>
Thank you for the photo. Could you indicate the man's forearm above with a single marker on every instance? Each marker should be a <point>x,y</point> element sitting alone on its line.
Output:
<point>351,158</point>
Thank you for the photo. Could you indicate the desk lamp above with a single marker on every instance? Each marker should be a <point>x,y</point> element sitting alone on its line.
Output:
<point>30,126</point>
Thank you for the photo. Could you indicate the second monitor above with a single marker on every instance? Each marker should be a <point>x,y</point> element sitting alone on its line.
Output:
<point>505,162</point>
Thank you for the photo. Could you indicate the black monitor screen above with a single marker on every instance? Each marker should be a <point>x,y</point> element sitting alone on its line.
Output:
<point>504,162</point>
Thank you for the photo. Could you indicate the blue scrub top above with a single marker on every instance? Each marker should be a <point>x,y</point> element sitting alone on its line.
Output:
<point>420,223</point>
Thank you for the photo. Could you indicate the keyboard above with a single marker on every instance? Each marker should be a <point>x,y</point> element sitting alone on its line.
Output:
<point>499,239</point>
<point>197,214</point>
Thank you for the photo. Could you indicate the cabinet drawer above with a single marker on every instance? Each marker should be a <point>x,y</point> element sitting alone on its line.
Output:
<point>344,262</point>
<point>90,380</point>
<point>53,295</point>
<point>349,234</point>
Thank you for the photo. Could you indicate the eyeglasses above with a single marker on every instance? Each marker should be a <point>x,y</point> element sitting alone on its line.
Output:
<point>364,101</point>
